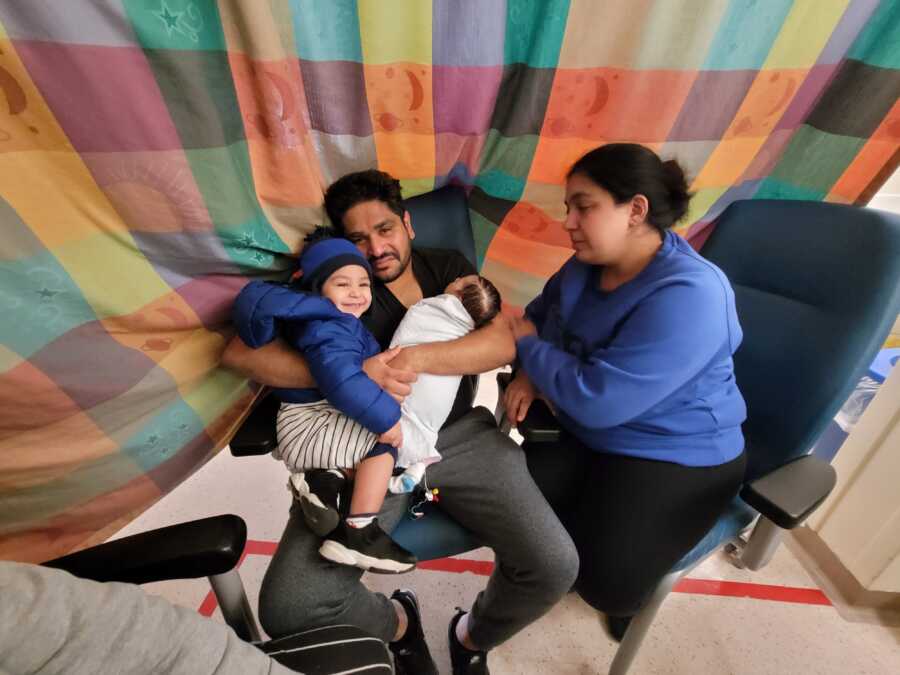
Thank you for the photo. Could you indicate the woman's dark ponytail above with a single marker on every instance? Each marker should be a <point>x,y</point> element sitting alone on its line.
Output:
<point>679,197</point>
<point>627,169</point>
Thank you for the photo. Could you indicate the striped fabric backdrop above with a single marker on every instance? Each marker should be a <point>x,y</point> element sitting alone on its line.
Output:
<point>154,154</point>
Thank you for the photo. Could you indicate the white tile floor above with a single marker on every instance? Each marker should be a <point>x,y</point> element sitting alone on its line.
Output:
<point>693,634</point>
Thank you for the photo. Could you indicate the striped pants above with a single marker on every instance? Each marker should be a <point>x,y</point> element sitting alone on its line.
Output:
<point>318,436</point>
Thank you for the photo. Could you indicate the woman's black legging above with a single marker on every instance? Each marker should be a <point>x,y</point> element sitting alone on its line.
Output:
<point>631,519</point>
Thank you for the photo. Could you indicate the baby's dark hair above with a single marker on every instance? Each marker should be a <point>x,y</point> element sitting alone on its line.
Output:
<point>481,300</point>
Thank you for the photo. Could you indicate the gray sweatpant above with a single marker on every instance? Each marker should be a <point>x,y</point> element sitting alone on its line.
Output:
<point>486,487</point>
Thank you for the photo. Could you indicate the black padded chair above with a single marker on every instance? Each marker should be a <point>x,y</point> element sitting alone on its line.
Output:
<point>212,547</point>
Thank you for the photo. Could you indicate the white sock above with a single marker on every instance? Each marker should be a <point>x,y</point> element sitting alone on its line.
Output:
<point>361,520</point>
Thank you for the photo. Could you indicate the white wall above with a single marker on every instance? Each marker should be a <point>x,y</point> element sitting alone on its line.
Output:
<point>860,521</point>
<point>888,198</point>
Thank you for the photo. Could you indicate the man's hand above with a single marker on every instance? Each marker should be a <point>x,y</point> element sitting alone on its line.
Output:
<point>476,352</point>
<point>404,359</point>
<point>393,436</point>
<point>275,364</point>
<point>521,327</point>
<point>394,380</point>
<point>518,398</point>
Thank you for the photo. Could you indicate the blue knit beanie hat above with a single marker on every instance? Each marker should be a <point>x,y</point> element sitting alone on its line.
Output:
<point>320,259</point>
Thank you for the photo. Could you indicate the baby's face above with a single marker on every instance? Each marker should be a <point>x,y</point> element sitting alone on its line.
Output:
<point>456,287</point>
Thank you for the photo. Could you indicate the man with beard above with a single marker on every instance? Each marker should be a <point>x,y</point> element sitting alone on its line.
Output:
<point>483,479</point>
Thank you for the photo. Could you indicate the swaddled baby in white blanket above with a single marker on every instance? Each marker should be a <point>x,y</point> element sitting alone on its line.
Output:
<point>468,303</point>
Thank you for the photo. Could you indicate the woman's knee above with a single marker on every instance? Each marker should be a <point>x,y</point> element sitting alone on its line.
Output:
<point>615,583</point>
<point>613,596</point>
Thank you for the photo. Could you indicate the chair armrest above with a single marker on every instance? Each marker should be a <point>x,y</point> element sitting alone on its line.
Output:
<point>199,548</point>
<point>787,495</point>
<point>256,436</point>
<point>540,424</point>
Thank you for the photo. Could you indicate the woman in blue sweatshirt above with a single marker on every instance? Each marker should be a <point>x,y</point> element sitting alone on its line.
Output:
<point>630,343</point>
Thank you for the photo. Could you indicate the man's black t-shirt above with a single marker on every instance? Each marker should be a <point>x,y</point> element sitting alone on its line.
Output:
<point>434,269</point>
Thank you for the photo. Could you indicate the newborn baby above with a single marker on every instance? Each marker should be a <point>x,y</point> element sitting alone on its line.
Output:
<point>467,304</point>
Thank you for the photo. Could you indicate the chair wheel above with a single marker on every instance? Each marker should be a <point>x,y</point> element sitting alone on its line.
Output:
<point>733,553</point>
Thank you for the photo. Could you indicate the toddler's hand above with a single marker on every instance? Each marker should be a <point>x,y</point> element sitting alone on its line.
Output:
<point>393,436</point>
<point>395,381</point>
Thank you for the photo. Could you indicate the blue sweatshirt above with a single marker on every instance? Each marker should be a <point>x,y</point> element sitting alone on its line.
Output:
<point>644,370</point>
<point>334,343</point>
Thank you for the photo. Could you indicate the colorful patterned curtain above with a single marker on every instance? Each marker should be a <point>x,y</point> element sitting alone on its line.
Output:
<point>154,154</point>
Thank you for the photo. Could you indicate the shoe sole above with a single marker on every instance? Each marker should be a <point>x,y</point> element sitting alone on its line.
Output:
<point>336,552</point>
<point>319,518</point>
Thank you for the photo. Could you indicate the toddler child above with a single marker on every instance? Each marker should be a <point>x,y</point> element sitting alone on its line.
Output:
<point>348,422</point>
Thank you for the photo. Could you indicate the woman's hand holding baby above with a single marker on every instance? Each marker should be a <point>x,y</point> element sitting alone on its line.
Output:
<point>518,397</point>
<point>521,327</point>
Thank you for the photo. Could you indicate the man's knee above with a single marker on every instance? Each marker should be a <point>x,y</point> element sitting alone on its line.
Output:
<point>554,564</point>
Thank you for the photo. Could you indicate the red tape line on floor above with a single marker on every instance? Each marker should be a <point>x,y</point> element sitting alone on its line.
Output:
<point>732,589</point>
<point>740,589</point>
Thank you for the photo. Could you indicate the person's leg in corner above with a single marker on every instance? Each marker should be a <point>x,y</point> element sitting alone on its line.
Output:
<point>302,590</point>
<point>485,486</point>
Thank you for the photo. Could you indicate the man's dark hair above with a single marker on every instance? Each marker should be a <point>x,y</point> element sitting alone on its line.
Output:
<point>362,186</point>
<point>481,300</point>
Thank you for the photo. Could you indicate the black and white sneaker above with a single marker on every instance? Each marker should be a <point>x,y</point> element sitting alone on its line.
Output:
<point>411,655</point>
<point>369,548</point>
<point>319,493</point>
<point>464,661</point>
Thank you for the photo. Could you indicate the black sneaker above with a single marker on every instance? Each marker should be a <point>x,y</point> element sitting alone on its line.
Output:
<point>464,661</point>
<point>411,655</point>
<point>319,493</point>
<point>369,548</point>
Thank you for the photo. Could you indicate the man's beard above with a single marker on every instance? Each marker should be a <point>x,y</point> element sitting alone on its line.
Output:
<point>395,275</point>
